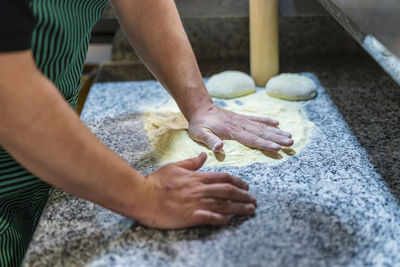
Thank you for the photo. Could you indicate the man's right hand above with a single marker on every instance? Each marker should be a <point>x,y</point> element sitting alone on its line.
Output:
<point>177,196</point>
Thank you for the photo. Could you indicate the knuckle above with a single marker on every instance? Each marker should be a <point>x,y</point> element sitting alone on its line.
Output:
<point>224,205</point>
<point>197,191</point>
<point>243,121</point>
<point>261,125</point>
<point>223,177</point>
<point>228,189</point>
<point>206,179</point>
<point>232,127</point>
<point>252,139</point>
<point>220,205</point>
<point>267,135</point>
<point>204,136</point>
<point>205,203</point>
<point>209,139</point>
<point>228,178</point>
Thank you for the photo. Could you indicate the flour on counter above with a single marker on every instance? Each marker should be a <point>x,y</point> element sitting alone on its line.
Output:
<point>167,128</point>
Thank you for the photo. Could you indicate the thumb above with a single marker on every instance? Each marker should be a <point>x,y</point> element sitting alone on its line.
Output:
<point>193,164</point>
<point>208,138</point>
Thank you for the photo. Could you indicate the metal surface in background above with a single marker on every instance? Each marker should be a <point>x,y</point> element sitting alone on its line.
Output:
<point>375,24</point>
<point>379,18</point>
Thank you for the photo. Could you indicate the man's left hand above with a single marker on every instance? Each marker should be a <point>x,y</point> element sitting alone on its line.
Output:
<point>212,124</point>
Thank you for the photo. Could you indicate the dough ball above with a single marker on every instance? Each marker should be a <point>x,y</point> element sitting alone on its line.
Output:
<point>230,84</point>
<point>292,87</point>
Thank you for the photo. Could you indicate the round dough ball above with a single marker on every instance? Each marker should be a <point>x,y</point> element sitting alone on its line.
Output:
<point>292,87</point>
<point>230,84</point>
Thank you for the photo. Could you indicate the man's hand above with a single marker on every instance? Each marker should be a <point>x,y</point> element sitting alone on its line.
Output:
<point>210,124</point>
<point>173,63</point>
<point>177,196</point>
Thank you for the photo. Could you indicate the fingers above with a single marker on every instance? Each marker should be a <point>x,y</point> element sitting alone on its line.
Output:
<point>260,128</point>
<point>220,178</point>
<point>254,141</point>
<point>262,122</point>
<point>265,120</point>
<point>261,133</point>
<point>228,207</point>
<point>206,217</point>
<point>228,192</point>
<point>270,133</point>
<point>222,201</point>
<point>193,164</point>
<point>278,139</point>
<point>275,130</point>
<point>205,136</point>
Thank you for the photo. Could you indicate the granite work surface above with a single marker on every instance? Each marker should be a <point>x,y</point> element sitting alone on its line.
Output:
<point>335,203</point>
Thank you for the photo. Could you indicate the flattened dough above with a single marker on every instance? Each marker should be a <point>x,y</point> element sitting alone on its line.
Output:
<point>166,129</point>
<point>289,86</point>
<point>230,84</point>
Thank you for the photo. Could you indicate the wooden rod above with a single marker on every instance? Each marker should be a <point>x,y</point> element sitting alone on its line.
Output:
<point>264,43</point>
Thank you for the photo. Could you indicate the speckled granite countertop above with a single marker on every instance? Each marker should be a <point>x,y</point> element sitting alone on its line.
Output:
<point>335,203</point>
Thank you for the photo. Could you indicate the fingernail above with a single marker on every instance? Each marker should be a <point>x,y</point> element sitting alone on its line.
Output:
<point>288,141</point>
<point>217,147</point>
<point>221,152</point>
<point>250,207</point>
<point>277,147</point>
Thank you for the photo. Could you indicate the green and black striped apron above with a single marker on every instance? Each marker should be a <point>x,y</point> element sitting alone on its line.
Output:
<point>59,45</point>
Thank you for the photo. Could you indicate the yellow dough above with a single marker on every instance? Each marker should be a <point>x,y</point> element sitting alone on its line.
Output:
<point>167,131</point>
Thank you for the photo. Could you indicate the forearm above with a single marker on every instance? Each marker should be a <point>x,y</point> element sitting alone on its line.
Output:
<point>155,31</point>
<point>41,131</point>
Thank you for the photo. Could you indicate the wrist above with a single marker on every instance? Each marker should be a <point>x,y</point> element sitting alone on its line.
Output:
<point>201,111</point>
<point>133,199</point>
<point>141,200</point>
<point>198,106</point>
<point>191,97</point>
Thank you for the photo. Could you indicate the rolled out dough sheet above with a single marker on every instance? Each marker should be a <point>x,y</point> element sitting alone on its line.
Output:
<point>167,132</point>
